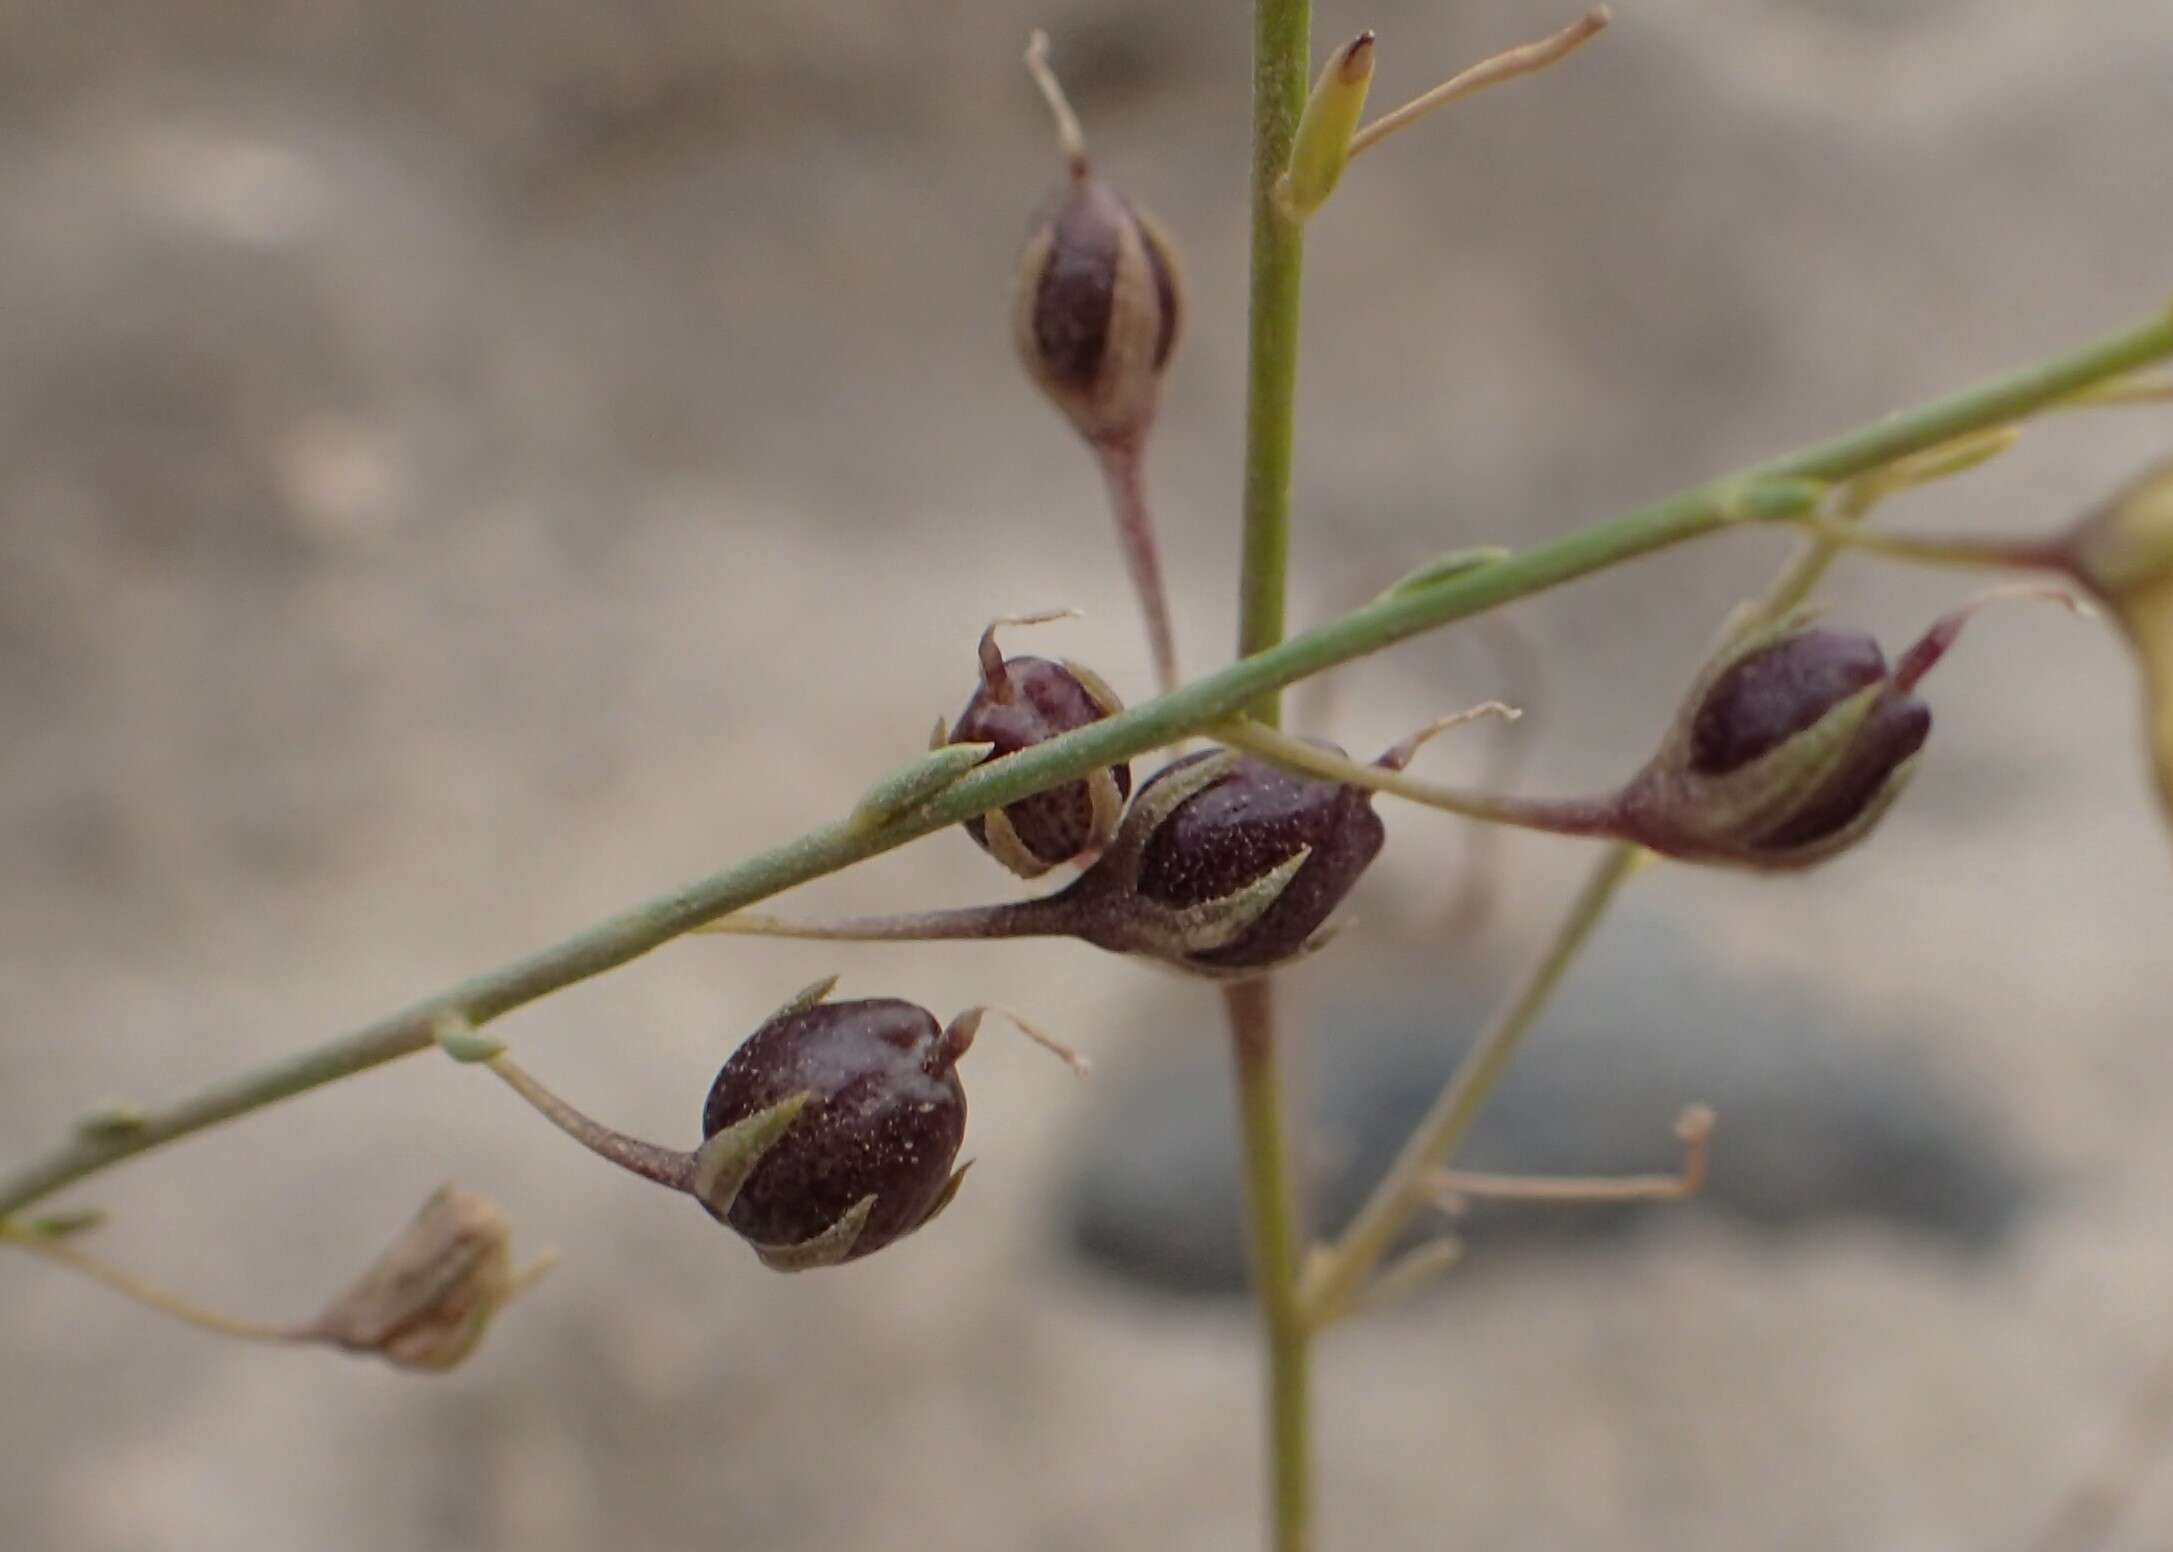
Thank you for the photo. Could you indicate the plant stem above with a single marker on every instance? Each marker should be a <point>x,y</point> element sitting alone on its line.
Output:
<point>1281,52</point>
<point>1339,1274</point>
<point>1276,1232</point>
<point>1553,816</point>
<point>666,1166</point>
<point>1954,551</point>
<point>1124,471</point>
<point>1690,514</point>
<point>1505,66</point>
<point>1043,916</point>
<point>148,1294</point>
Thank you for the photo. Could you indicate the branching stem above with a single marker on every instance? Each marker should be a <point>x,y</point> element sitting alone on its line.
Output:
<point>1404,613</point>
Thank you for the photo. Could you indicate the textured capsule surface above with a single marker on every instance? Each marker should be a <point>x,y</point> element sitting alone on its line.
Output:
<point>1034,700</point>
<point>1771,695</point>
<point>1896,730</point>
<point>1099,309</point>
<point>886,1118</point>
<point>1245,825</point>
<point>1790,754</point>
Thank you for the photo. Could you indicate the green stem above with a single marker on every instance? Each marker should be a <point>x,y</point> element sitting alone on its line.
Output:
<point>1281,53</point>
<point>1339,1274</point>
<point>1275,1230</point>
<point>1700,510</point>
<point>150,1295</point>
<point>1281,50</point>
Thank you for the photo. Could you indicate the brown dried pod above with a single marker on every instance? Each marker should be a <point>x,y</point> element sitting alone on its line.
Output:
<point>425,1301</point>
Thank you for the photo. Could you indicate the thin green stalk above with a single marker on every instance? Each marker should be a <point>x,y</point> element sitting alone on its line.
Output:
<point>1339,1274</point>
<point>150,1295</point>
<point>1149,725</point>
<point>1276,1231</point>
<point>1281,53</point>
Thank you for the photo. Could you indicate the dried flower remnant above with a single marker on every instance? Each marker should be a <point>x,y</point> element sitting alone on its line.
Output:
<point>425,1302</point>
<point>422,1305</point>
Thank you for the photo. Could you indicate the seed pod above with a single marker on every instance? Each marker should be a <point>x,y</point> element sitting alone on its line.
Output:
<point>1227,865</point>
<point>1097,309</point>
<point>1224,865</point>
<point>1788,750</point>
<point>1022,701</point>
<point>872,1145</point>
<point>1096,313</point>
<point>828,1134</point>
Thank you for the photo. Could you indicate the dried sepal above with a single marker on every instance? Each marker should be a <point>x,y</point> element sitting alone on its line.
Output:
<point>724,1161</point>
<point>945,1197</point>
<point>826,1247</point>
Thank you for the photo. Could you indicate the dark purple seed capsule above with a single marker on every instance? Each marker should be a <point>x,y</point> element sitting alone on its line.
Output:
<point>1768,697</point>
<point>886,1119</point>
<point>1021,702</point>
<point>1076,289</point>
<point>1252,821</point>
<point>1895,732</point>
<point>1788,754</point>
<point>1099,309</point>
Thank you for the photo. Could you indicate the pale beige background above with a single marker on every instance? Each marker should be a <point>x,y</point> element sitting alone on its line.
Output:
<point>466,466</point>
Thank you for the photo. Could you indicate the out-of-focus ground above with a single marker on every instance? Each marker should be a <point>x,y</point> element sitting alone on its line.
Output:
<point>464,468</point>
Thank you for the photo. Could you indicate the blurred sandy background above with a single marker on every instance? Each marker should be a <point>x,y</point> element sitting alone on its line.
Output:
<point>467,466</point>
